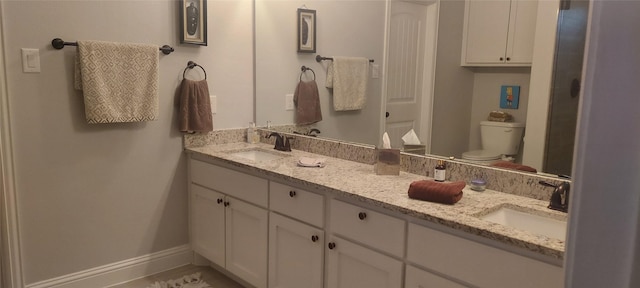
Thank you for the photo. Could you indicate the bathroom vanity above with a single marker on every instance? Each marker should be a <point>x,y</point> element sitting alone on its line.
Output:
<point>271,223</point>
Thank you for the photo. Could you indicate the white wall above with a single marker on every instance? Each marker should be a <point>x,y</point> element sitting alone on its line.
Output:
<point>539,93</point>
<point>453,85</point>
<point>278,62</point>
<point>91,195</point>
<point>487,83</point>
<point>603,242</point>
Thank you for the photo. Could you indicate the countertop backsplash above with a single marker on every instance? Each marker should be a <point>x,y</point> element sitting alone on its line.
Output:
<point>506,181</point>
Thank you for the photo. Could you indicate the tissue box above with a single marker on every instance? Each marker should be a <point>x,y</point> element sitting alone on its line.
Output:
<point>415,149</point>
<point>387,162</point>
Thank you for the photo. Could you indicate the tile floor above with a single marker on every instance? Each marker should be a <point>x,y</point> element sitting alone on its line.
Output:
<point>209,275</point>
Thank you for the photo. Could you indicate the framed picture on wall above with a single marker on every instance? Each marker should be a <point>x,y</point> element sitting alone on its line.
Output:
<point>193,22</point>
<point>306,31</point>
<point>509,97</point>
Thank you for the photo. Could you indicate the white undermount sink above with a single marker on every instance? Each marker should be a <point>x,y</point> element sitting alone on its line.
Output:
<point>258,155</point>
<point>528,221</point>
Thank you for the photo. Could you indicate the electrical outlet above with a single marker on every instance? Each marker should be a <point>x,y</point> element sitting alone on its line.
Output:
<point>214,104</point>
<point>288,102</point>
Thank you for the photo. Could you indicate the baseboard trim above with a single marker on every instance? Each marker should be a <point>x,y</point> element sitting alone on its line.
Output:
<point>123,271</point>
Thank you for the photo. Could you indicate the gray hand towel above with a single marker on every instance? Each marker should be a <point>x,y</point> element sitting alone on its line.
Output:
<point>195,107</point>
<point>307,101</point>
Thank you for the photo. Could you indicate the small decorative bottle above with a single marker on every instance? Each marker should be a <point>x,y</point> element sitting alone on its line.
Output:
<point>440,171</point>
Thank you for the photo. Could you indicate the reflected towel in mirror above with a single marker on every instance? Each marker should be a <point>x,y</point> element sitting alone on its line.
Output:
<point>348,77</point>
<point>307,101</point>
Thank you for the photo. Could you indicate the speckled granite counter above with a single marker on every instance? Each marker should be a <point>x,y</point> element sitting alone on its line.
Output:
<point>348,179</point>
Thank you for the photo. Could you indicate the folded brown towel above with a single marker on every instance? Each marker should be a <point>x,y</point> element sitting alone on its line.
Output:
<point>195,107</point>
<point>514,166</point>
<point>432,191</point>
<point>307,101</point>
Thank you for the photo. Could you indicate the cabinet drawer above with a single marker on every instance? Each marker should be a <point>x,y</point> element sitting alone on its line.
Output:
<point>296,203</point>
<point>239,185</point>
<point>478,264</point>
<point>377,230</point>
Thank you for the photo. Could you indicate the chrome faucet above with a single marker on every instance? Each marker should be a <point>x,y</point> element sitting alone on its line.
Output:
<point>282,143</point>
<point>560,196</point>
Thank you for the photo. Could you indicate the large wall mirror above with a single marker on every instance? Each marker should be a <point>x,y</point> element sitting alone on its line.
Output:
<point>416,44</point>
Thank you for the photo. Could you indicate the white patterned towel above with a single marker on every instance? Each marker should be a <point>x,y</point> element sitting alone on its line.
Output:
<point>119,81</point>
<point>188,281</point>
<point>348,77</point>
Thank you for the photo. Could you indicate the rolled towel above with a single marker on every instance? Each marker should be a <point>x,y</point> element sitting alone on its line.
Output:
<point>432,191</point>
<point>513,166</point>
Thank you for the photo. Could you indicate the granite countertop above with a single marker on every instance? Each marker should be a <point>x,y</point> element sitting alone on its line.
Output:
<point>358,181</point>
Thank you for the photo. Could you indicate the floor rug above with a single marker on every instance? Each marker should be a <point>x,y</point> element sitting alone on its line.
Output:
<point>187,281</point>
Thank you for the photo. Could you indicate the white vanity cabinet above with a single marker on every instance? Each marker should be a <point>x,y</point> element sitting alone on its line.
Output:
<point>360,265</point>
<point>230,232</point>
<point>499,32</point>
<point>296,254</point>
<point>271,234</point>
<point>418,278</point>
<point>296,247</point>
<point>207,223</point>
<point>475,263</point>
<point>352,265</point>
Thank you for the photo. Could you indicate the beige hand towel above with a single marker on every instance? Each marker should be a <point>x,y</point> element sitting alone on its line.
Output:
<point>348,77</point>
<point>307,101</point>
<point>195,107</point>
<point>119,81</point>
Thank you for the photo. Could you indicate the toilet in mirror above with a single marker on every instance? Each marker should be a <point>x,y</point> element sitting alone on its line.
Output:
<point>500,141</point>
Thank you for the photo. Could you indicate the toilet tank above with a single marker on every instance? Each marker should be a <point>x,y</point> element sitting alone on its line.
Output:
<point>501,137</point>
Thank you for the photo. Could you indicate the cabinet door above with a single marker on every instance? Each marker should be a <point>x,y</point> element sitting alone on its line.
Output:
<point>522,29</point>
<point>486,31</point>
<point>351,265</point>
<point>246,235</point>
<point>295,254</point>
<point>417,278</point>
<point>207,223</point>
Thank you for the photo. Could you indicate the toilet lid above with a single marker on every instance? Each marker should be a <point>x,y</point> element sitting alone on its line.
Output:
<point>481,155</point>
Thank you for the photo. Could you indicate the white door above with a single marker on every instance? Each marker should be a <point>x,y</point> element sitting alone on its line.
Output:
<point>295,254</point>
<point>246,239</point>
<point>207,224</point>
<point>411,45</point>
<point>354,266</point>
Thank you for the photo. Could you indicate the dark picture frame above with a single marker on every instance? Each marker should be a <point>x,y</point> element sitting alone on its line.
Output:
<point>306,31</point>
<point>193,22</point>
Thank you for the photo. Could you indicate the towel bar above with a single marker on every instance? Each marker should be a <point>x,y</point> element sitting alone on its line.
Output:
<point>320,58</point>
<point>59,44</point>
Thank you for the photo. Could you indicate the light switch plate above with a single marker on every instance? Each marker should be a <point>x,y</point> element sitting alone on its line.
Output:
<point>30,60</point>
<point>214,104</point>
<point>375,71</point>
<point>288,102</point>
